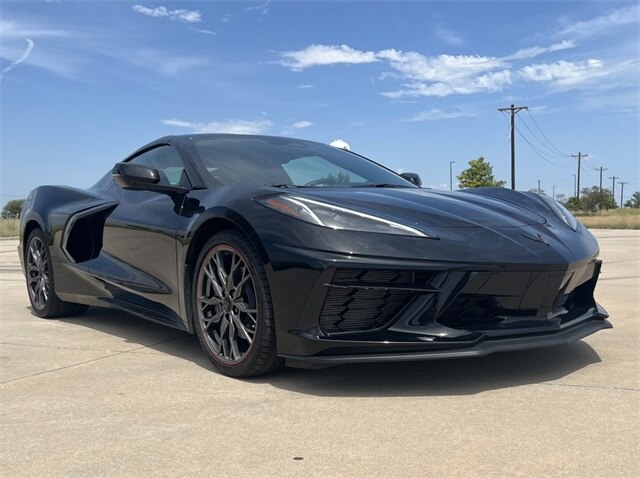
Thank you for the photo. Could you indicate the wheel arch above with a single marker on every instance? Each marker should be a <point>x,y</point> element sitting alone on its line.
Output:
<point>31,225</point>
<point>214,223</point>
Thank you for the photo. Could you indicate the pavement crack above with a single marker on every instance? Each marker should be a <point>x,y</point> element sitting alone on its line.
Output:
<point>84,362</point>
<point>592,387</point>
<point>59,347</point>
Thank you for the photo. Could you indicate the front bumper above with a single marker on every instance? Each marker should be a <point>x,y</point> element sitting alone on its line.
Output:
<point>332,309</point>
<point>484,345</point>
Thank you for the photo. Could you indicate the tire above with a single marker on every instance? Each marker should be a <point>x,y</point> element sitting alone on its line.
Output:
<point>41,282</point>
<point>232,311</point>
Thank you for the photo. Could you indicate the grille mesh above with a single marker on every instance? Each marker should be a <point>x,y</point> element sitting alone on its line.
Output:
<point>352,309</point>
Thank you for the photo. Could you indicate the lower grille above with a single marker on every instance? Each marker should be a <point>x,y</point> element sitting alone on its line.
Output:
<point>357,300</point>
<point>350,310</point>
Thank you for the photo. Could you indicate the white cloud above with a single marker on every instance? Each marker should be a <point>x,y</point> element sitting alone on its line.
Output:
<point>23,57</point>
<point>302,124</point>
<point>565,74</point>
<point>628,15</point>
<point>316,55</point>
<point>534,51</point>
<point>421,75</point>
<point>160,61</point>
<point>436,114</point>
<point>305,86</point>
<point>203,30</point>
<point>262,8</point>
<point>182,14</point>
<point>228,126</point>
<point>448,36</point>
<point>445,68</point>
<point>11,29</point>
<point>488,82</point>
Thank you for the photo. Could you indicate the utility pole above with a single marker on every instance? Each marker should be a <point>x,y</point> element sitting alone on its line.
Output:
<point>513,110</point>
<point>622,183</point>
<point>574,185</point>
<point>538,186</point>
<point>613,187</point>
<point>601,169</point>
<point>554,192</point>
<point>451,175</point>
<point>579,156</point>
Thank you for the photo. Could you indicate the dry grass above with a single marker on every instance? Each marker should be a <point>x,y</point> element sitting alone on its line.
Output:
<point>8,228</point>
<point>626,218</point>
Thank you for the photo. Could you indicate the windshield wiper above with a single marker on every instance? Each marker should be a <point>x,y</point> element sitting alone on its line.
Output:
<point>283,185</point>
<point>379,185</point>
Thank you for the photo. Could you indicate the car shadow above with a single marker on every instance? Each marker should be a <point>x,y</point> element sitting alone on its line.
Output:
<point>465,376</point>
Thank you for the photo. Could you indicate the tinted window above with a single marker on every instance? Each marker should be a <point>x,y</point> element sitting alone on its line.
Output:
<point>169,164</point>
<point>267,160</point>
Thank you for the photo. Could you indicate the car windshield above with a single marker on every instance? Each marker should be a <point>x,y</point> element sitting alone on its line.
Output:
<point>285,162</point>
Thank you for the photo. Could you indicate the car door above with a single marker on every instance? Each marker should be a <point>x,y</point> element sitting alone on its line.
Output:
<point>138,257</point>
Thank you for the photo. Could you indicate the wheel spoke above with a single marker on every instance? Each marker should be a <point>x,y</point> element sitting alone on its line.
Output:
<point>208,322</point>
<point>206,301</point>
<point>233,341</point>
<point>224,325</point>
<point>245,277</point>
<point>243,332</point>
<point>232,269</point>
<point>219,262</point>
<point>213,280</point>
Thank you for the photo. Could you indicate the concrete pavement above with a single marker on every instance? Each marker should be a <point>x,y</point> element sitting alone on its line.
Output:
<point>107,394</point>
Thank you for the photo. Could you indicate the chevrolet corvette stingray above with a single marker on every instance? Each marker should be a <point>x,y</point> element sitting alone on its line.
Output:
<point>277,250</point>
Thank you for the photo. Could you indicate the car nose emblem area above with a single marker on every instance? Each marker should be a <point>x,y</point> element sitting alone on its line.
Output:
<point>538,238</point>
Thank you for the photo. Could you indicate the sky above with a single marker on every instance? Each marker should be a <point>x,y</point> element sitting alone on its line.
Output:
<point>413,85</point>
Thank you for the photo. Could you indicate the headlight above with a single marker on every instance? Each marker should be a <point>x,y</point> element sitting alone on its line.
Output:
<point>560,211</point>
<point>336,217</point>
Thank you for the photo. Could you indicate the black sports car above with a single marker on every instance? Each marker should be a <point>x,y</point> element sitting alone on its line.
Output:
<point>276,249</point>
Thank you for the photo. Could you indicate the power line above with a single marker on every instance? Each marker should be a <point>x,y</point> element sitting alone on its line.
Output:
<point>587,171</point>
<point>539,152</point>
<point>551,150</point>
<point>513,111</point>
<point>545,136</point>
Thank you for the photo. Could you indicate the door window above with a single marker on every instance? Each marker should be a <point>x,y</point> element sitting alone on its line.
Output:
<point>168,163</point>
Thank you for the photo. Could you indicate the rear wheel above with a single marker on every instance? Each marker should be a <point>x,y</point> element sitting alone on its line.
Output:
<point>40,281</point>
<point>233,316</point>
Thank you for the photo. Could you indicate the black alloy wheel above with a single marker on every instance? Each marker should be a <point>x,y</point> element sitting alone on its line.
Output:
<point>232,310</point>
<point>40,281</point>
<point>38,268</point>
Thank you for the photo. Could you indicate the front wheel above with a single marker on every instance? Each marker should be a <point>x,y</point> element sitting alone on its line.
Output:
<point>232,310</point>
<point>40,281</point>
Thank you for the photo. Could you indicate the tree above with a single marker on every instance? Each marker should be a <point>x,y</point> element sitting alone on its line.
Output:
<point>573,203</point>
<point>594,200</point>
<point>12,209</point>
<point>634,201</point>
<point>478,174</point>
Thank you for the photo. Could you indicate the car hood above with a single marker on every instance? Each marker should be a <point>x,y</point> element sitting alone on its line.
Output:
<point>423,207</point>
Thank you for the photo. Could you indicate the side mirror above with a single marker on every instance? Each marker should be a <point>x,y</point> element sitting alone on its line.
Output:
<point>140,177</point>
<point>413,178</point>
<point>132,176</point>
